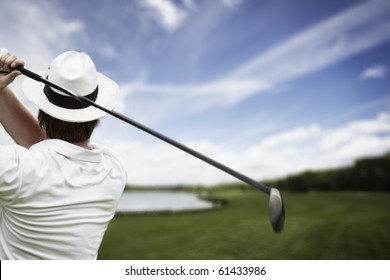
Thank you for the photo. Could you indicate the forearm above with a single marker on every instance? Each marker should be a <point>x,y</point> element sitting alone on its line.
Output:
<point>20,124</point>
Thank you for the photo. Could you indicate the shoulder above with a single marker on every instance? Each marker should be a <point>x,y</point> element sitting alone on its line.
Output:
<point>12,165</point>
<point>112,156</point>
<point>11,154</point>
<point>15,158</point>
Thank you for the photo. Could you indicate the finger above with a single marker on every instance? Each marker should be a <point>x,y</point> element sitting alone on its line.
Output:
<point>4,72</point>
<point>11,76</point>
<point>8,61</point>
<point>12,62</point>
<point>17,62</point>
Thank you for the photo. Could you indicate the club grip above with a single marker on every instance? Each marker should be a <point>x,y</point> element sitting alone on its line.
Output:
<point>28,73</point>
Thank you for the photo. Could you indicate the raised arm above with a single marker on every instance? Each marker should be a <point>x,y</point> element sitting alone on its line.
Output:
<point>19,123</point>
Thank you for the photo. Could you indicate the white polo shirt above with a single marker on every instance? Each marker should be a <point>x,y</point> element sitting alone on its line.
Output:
<point>56,200</point>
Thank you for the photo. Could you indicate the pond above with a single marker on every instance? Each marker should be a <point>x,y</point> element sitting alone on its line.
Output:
<point>140,202</point>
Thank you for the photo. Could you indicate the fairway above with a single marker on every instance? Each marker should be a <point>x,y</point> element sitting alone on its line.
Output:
<point>319,225</point>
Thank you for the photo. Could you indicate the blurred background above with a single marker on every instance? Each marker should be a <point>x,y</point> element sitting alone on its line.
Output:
<point>270,88</point>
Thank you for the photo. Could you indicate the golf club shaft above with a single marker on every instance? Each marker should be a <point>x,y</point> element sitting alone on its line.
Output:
<point>146,129</point>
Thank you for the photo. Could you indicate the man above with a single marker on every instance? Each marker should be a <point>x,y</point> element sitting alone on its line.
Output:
<point>58,191</point>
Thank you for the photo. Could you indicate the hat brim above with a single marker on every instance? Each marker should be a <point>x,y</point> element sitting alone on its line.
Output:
<point>107,97</point>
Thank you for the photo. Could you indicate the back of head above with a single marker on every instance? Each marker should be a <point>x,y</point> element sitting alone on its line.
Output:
<point>71,132</point>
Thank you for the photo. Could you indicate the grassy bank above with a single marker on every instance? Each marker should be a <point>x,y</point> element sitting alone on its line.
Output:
<point>319,225</point>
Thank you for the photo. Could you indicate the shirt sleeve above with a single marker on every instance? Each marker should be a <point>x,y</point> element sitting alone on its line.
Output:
<point>10,173</point>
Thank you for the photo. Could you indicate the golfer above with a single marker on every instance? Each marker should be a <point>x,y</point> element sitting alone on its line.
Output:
<point>58,191</point>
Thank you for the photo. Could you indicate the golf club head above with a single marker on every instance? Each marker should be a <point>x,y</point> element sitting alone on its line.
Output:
<point>276,210</point>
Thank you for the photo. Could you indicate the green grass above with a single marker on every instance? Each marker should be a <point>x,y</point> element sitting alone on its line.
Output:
<point>319,225</point>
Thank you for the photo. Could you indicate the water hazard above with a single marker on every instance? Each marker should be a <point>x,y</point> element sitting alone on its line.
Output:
<point>140,202</point>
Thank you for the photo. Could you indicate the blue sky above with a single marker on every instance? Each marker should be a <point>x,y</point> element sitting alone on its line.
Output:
<point>267,87</point>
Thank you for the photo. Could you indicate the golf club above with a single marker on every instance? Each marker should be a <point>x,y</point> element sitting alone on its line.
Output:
<point>276,206</point>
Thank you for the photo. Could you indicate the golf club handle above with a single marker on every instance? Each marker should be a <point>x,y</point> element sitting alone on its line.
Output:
<point>148,130</point>
<point>28,73</point>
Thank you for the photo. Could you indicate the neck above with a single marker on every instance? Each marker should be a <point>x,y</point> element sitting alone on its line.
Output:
<point>84,144</point>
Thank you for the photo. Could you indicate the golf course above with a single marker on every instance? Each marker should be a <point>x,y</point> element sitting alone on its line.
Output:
<point>319,225</point>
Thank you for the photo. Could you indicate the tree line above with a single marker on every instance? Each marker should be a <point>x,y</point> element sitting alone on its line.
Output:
<point>366,174</point>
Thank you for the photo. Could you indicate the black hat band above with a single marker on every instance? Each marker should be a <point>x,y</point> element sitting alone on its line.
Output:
<point>68,102</point>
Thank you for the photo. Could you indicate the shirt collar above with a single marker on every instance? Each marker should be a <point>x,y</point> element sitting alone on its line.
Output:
<point>69,150</point>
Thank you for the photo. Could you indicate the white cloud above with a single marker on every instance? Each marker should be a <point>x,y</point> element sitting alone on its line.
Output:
<point>378,71</point>
<point>169,98</point>
<point>190,4</point>
<point>361,129</point>
<point>166,13</point>
<point>296,135</point>
<point>231,3</point>
<point>228,90</point>
<point>301,148</point>
<point>106,50</point>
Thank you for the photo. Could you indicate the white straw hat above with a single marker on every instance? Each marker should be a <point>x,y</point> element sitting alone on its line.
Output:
<point>76,72</point>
